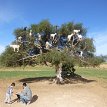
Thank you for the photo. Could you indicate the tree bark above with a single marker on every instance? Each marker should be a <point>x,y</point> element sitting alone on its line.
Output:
<point>59,78</point>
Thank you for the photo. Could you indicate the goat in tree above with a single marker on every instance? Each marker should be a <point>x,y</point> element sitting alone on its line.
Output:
<point>53,36</point>
<point>30,33</point>
<point>19,38</point>
<point>48,45</point>
<point>15,47</point>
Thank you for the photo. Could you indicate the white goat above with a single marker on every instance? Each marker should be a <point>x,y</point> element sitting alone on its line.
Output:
<point>30,33</point>
<point>48,45</point>
<point>15,47</point>
<point>69,37</point>
<point>53,36</point>
<point>76,31</point>
<point>39,36</point>
<point>79,37</point>
<point>81,54</point>
<point>20,38</point>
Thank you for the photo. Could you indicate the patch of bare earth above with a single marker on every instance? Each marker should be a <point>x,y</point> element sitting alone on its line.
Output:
<point>48,94</point>
<point>103,66</point>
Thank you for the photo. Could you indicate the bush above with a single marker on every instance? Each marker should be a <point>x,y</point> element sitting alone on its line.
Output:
<point>9,58</point>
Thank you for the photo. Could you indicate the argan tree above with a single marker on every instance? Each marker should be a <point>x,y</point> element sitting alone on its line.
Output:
<point>63,59</point>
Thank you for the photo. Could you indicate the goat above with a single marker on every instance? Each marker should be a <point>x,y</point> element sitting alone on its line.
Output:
<point>48,45</point>
<point>76,31</point>
<point>39,36</point>
<point>69,37</point>
<point>53,36</point>
<point>30,33</point>
<point>79,37</point>
<point>20,38</point>
<point>15,47</point>
<point>81,54</point>
<point>75,37</point>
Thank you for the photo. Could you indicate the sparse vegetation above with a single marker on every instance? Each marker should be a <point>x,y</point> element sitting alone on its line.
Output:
<point>44,71</point>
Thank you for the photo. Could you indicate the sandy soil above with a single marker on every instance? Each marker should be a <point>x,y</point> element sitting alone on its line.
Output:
<point>48,94</point>
<point>103,66</point>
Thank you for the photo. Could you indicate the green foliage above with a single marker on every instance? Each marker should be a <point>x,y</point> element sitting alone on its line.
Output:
<point>56,57</point>
<point>96,61</point>
<point>93,61</point>
<point>63,30</point>
<point>83,30</point>
<point>9,58</point>
<point>34,28</point>
<point>68,28</point>
<point>43,26</point>
<point>89,45</point>
<point>103,57</point>
<point>19,32</point>
<point>53,57</point>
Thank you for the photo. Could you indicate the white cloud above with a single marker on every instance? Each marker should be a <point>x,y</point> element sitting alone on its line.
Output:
<point>100,41</point>
<point>2,48</point>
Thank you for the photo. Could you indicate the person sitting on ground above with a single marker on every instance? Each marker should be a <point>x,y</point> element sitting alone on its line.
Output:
<point>26,95</point>
<point>9,93</point>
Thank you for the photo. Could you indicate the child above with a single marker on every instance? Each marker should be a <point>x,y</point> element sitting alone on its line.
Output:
<point>9,93</point>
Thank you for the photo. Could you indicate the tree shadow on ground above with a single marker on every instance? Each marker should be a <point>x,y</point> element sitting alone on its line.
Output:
<point>73,80</point>
<point>36,79</point>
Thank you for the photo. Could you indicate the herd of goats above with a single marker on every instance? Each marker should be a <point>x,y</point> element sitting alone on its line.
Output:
<point>51,41</point>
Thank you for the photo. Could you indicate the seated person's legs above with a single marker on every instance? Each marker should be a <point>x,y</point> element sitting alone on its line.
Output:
<point>24,99</point>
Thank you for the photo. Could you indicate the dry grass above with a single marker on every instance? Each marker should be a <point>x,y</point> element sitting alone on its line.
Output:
<point>104,65</point>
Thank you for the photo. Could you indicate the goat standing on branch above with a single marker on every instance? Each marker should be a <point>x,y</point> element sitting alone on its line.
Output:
<point>53,36</point>
<point>20,39</point>
<point>39,36</point>
<point>71,36</point>
<point>15,47</point>
<point>75,37</point>
<point>30,33</point>
<point>48,45</point>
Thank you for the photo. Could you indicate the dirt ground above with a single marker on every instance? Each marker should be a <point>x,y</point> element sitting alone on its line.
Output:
<point>48,94</point>
<point>103,66</point>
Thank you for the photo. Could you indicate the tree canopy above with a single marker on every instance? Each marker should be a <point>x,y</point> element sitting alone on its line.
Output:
<point>44,42</point>
<point>29,45</point>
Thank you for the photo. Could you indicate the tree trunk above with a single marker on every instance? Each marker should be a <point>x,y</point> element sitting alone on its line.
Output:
<point>59,78</point>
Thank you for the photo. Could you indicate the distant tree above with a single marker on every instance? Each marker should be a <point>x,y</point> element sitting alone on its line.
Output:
<point>9,58</point>
<point>103,57</point>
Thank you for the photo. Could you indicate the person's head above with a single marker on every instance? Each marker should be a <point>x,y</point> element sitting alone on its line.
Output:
<point>13,84</point>
<point>24,84</point>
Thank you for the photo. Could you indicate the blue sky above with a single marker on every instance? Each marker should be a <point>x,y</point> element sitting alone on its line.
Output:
<point>20,13</point>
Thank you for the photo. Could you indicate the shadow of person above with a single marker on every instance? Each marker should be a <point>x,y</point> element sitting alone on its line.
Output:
<point>14,100</point>
<point>34,98</point>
